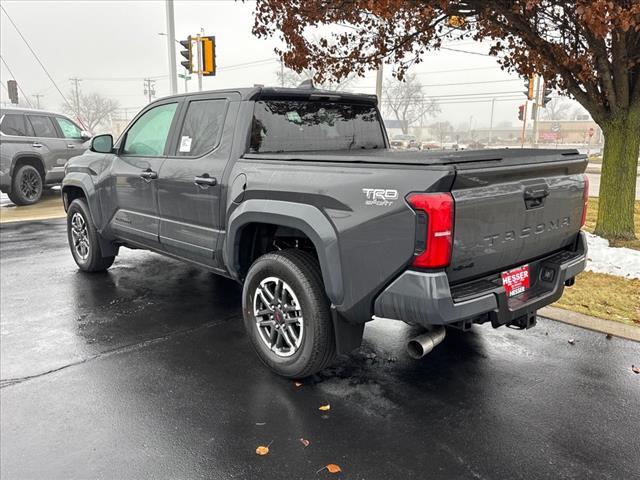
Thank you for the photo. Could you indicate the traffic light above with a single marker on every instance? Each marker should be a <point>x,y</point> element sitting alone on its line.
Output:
<point>208,50</point>
<point>188,54</point>
<point>546,97</point>
<point>521,112</point>
<point>12,86</point>
<point>529,87</point>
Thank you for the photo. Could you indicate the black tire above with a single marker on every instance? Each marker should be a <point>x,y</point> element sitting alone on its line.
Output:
<point>26,185</point>
<point>93,261</point>
<point>301,272</point>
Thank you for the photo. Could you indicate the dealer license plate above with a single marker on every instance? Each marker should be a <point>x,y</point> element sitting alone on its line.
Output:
<point>516,281</point>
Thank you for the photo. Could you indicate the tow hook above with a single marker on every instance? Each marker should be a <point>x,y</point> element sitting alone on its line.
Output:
<point>523,322</point>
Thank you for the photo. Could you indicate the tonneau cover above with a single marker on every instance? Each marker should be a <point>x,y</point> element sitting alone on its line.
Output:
<point>504,156</point>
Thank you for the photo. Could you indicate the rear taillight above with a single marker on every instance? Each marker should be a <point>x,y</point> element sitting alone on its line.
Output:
<point>435,215</point>
<point>585,200</point>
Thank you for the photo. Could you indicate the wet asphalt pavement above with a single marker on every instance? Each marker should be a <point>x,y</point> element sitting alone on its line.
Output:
<point>145,372</point>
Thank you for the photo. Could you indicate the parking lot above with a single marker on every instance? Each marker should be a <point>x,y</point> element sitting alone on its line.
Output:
<point>145,371</point>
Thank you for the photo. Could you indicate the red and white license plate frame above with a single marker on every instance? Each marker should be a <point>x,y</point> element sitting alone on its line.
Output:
<point>516,281</point>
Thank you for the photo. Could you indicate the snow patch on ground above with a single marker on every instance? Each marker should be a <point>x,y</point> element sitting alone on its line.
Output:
<point>622,262</point>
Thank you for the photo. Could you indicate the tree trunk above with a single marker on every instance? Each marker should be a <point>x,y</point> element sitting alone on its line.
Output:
<point>618,180</point>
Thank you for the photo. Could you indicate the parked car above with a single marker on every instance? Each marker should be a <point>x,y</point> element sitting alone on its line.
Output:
<point>295,194</point>
<point>34,148</point>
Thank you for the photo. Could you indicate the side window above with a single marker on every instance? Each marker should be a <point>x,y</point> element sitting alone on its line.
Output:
<point>43,126</point>
<point>69,129</point>
<point>13,124</point>
<point>201,128</point>
<point>148,136</point>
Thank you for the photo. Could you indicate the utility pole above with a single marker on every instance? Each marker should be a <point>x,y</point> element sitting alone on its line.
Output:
<point>379,84</point>
<point>171,47</point>
<point>37,97</point>
<point>149,88</point>
<point>76,95</point>
<point>281,72</point>
<point>493,103</point>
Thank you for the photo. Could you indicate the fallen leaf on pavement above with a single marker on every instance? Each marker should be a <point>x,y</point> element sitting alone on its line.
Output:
<point>572,341</point>
<point>305,442</point>
<point>262,450</point>
<point>331,468</point>
<point>297,384</point>
<point>324,408</point>
<point>635,369</point>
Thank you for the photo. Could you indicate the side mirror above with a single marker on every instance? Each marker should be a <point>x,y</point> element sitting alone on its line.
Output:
<point>85,135</point>
<point>102,144</point>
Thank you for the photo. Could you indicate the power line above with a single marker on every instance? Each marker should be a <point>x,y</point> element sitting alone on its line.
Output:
<point>35,56</point>
<point>465,51</point>
<point>17,84</point>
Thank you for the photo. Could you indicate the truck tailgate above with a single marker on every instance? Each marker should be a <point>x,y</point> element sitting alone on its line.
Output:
<point>509,213</point>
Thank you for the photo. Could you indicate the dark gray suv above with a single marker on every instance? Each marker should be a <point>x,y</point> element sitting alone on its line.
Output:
<point>34,148</point>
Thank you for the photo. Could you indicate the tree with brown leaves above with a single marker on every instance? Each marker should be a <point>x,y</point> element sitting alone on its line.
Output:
<point>589,49</point>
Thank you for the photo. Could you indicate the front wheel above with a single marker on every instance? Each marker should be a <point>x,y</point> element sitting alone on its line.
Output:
<point>83,239</point>
<point>286,313</point>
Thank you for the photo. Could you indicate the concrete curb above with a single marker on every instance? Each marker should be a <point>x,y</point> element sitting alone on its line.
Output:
<point>591,323</point>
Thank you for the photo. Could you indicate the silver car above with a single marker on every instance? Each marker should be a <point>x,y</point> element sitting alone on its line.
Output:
<point>34,147</point>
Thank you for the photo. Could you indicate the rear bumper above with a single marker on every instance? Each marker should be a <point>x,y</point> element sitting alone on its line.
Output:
<point>426,298</point>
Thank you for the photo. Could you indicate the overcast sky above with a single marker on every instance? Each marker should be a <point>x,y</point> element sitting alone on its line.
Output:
<point>113,45</point>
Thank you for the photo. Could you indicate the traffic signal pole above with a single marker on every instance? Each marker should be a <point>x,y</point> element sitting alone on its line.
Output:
<point>171,47</point>
<point>199,54</point>
<point>524,124</point>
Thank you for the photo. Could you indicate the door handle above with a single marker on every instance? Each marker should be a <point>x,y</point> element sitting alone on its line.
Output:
<point>534,194</point>
<point>36,145</point>
<point>205,181</point>
<point>70,145</point>
<point>149,175</point>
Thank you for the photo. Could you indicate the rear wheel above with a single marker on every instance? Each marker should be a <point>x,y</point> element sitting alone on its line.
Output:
<point>27,184</point>
<point>83,239</point>
<point>286,313</point>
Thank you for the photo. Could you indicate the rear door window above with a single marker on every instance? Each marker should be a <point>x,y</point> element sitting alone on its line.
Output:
<point>303,125</point>
<point>43,126</point>
<point>13,124</point>
<point>202,127</point>
<point>68,128</point>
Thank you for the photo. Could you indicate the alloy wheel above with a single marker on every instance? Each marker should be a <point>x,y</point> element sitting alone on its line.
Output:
<point>278,316</point>
<point>80,235</point>
<point>30,185</point>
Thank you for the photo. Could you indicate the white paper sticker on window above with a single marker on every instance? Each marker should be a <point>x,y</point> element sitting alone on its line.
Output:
<point>185,144</point>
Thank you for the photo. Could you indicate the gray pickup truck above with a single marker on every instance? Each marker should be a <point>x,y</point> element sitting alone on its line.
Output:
<point>34,148</point>
<point>296,194</point>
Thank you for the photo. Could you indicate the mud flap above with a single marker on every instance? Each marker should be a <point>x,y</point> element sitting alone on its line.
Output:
<point>348,335</point>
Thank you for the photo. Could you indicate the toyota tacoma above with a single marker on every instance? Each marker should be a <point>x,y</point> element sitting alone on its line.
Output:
<point>296,194</point>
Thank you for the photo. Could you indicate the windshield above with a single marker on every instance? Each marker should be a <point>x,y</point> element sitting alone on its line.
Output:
<point>302,125</point>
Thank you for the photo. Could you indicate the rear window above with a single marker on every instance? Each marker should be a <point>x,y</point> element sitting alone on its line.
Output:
<point>13,124</point>
<point>298,126</point>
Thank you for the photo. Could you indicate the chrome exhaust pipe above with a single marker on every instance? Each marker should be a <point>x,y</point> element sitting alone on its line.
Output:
<point>419,346</point>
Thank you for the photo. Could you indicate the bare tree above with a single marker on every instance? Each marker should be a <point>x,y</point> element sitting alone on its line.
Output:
<point>557,109</point>
<point>92,109</point>
<point>290,78</point>
<point>441,130</point>
<point>406,101</point>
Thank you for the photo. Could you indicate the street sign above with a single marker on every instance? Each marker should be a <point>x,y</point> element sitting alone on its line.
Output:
<point>187,77</point>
